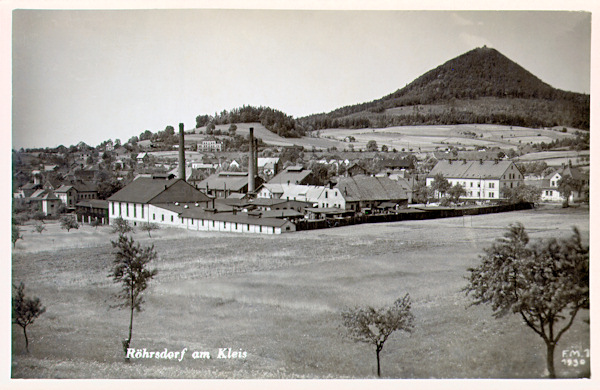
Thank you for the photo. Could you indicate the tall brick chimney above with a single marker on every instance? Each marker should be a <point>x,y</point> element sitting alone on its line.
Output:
<point>251,167</point>
<point>181,153</point>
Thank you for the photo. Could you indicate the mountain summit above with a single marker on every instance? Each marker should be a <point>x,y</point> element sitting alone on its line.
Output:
<point>480,86</point>
<point>482,72</point>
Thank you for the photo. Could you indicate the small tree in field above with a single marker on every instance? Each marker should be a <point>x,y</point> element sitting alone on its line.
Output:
<point>95,223</point>
<point>25,310</point>
<point>546,283</point>
<point>121,226</point>
<point>68,223</point>
<point>39,227</point>
<point>130,269</point>
<point>16,235</point>
<point>374,325</point>
<point>149,227</point>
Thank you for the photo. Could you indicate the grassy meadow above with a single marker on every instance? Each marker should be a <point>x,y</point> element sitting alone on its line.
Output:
<point>279,299</point>
<point>425,138</point>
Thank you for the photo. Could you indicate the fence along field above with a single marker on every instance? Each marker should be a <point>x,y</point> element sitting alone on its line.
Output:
<point>279,299</point>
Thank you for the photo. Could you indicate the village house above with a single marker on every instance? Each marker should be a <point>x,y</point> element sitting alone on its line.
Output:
<point>196,218</point>
<point>269,166</point>
<point>175,203</point>
<point>356,169</point>
<point>143,158</point>
<point>93,209</point>
<point>549,184</point>
<point>365,193</point>
<point>143,200</point>
<point>295,174</point>
<point>210,145</point>
<point>482,180</point>
<point>47,200</point>
<point>222,184</point>
<point>318,196</point>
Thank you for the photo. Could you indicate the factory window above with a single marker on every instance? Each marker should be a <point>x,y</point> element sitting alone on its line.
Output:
<point>142,211</point>
<point>113,208</point>
<point>171,218</point>
<point>134,211</point>
<point>127,209</point>
<point>162,217</point>
<point>154,217</point>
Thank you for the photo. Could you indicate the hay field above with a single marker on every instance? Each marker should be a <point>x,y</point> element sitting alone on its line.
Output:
<point>427,138</point>
<point>279,299</point>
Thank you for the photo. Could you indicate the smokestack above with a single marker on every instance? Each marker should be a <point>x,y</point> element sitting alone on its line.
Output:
<point>255,160</point>
<point>251,173</point>
<point>181,153</point>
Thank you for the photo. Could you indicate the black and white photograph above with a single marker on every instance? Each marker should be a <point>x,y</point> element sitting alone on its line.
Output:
<point>371,193</point>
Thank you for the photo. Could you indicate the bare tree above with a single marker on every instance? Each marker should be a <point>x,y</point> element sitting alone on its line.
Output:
<point>375,325</point>
<point>25,310</point>
<point>130,269</point>
<point>39,227</point>
<point>148,227</point>
<point>16,235</point>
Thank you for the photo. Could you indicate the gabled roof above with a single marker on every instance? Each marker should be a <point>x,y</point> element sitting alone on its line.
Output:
<point>31,186</point>
<point>470,169</point>
<point>368,188</point>
<point>310,193</point>
<point>38,193</point>
<point>398,163</point>
<point>141,190</point>
<point>93,203</point>
<point>239,217</point>
<point>233,181</point>
<point>292,175</point>
<point>146,190</point>
<point>64,188</point>
<point>49,195</point>
<point>266,202</point>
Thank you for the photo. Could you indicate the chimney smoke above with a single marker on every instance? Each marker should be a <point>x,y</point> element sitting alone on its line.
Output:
<point>181,153</point>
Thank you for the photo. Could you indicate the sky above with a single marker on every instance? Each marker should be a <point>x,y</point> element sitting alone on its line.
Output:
<point>90,76</point>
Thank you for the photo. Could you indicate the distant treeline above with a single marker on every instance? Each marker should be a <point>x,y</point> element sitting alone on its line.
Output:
<point>449,116</point>
<point>274,120</point>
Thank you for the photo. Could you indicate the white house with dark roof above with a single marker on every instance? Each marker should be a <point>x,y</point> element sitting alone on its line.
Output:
<point>318,196</point>
<point>175,203</point>
<point>143,199</point>
<point>549,184</point>
<point>362,191</point>
<point>482,180</point>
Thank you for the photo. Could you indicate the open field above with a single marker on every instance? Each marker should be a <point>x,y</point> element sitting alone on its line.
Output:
<point>279,298</point>
<point>558,157</point>
<point>427,138</point>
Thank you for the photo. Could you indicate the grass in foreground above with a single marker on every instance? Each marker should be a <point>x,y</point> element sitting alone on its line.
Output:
<point>279,299</point>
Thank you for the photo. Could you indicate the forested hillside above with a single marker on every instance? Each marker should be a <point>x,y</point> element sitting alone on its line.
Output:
<point>480,86</point>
